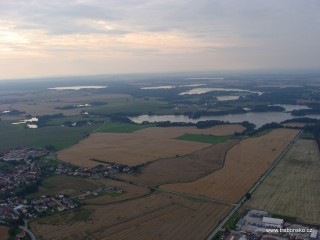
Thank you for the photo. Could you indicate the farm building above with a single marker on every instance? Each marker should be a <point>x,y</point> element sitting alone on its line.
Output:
<point>256,213</point>
<point>314,234</point>
<point>240,224</point>
<point>273,222</point>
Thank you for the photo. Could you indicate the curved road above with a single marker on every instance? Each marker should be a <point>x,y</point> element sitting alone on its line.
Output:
<point>25,228</point>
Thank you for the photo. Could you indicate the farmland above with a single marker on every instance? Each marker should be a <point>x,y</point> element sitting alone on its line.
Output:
<point>158,216</point>
<point>60,137</point>
<point>183,169</point>
<point>244,164</point>
<point>293,187</point>
<point>139,147</point>
<point>115,127</point>
<point>72,186</point>
<point>205,138</point>
<point>203,163</point>
<point>4,232</point>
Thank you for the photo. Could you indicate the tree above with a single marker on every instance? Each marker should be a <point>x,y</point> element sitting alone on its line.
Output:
<point>248,195</point>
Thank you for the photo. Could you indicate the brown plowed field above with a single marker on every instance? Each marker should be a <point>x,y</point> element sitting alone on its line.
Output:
<point>160,216</point>
<point>4,232</point>
<point>293,188</point>
<point>138,147</point>
<point>183,169</point>
<point>244,165</point>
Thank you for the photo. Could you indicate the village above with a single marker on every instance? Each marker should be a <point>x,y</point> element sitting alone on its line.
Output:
<point>28,169</point>
<point>15,208</point>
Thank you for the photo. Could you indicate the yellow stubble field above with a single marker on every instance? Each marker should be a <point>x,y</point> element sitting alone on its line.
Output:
<point>244,164</point>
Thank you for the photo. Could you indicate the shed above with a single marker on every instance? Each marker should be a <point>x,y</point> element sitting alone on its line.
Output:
<point>277,222</point>
<point>314,234</point>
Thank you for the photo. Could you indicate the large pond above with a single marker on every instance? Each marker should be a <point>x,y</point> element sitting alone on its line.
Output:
<point>206,90</point>
<point>259,119</point>
<point>77,87</point>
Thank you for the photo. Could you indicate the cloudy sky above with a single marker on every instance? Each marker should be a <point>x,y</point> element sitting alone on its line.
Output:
<point>59,37</point>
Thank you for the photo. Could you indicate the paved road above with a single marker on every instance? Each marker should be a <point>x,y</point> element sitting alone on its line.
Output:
<point>25,228</point>
<point>254,187</point>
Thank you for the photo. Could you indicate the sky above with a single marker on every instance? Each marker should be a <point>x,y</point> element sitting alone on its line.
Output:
<point>84,37</point>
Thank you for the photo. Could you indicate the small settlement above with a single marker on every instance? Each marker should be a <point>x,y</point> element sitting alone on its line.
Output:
<point>25,174</point>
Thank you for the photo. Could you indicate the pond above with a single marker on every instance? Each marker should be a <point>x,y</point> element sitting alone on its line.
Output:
<point>258,118</point>
<point>77,87</point>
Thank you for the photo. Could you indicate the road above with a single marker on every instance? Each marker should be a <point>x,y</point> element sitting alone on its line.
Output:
<point>254,187</point>
<point>25,228</point>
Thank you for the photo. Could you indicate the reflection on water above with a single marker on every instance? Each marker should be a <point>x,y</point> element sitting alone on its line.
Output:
<point>291,107</point>
<point>158,87</point>
<point>193,85</point>
<point>259,119</point>
<point>77,87</point>
<point>227,98</point>
<point>34,119</point>
<point>206,90</point>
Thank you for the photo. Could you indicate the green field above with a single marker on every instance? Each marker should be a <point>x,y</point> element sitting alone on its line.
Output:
<point>115,127</point>
<point>60,137</point>
<point>307,135</point>
<point>130,105</point>
<point>261,133</point>
<point>68,185</point>
<point>205,138</point>
<point>4,166</point>
<point>71,186</point>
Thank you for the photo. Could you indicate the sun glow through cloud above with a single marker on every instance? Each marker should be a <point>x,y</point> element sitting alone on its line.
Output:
<point>143,36</point>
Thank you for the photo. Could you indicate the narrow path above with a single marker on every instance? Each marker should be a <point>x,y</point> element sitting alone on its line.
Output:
<point>195,197</point>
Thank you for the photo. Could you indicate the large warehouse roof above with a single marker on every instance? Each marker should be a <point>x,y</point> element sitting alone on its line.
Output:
<point>273,221</point>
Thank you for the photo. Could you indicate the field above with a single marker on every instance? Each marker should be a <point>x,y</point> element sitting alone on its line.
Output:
<point>293,188</point>
<point>73,186</point>
<point>183,169</point>
<point>4,232</point>
<point>47,102</point>
<point>115,127</point>
<point>60,137</point>
<point>139,147</point>
<point>159,216</point>
<point>205,138</point>
<point>294,124</point>
<point>244,165</point>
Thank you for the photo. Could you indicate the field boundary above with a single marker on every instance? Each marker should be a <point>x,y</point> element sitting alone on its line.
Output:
<point>255,186</point>
<point>195,197</point>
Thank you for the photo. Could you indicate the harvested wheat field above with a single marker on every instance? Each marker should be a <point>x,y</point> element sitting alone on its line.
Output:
<point>138,147</point>
<point>174,132</point>
<point>293,188</point>
<point>183,169</point>
<point>244,165</point>
<point>294,124</point>
<point>159,216</point>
